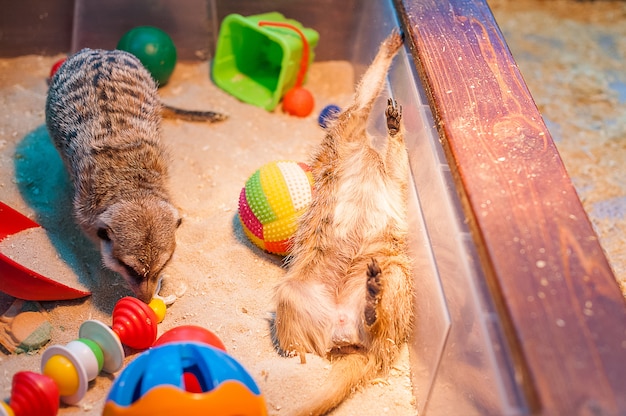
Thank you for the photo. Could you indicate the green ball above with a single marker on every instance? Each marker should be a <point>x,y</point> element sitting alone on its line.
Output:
<point>154,48</point>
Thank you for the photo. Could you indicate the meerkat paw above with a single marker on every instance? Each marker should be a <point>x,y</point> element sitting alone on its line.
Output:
<point>374,286</point>
<point>170,289</point>
<point>394,115</point>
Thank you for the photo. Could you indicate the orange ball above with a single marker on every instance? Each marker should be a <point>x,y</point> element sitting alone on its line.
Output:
<point>298,102</point>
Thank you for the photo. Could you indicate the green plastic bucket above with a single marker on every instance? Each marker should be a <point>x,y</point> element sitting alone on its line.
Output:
<point>259,64</point>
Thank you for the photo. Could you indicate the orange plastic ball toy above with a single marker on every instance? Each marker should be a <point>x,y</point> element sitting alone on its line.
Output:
<point>298,101</point>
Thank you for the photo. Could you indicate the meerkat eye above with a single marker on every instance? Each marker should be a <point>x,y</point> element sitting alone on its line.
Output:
<point>132,273</point>
<point>180,221</point>
<point>103,234</point>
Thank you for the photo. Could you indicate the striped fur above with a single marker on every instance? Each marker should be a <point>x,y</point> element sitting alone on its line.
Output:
<point>104,116</point>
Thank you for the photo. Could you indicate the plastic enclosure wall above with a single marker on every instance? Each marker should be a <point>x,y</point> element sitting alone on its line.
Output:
<point>459,362</point>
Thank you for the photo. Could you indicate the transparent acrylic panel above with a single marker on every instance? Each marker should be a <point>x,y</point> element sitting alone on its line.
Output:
<point>100,25</point>
<point>473,373</point>
<point>432,319</point>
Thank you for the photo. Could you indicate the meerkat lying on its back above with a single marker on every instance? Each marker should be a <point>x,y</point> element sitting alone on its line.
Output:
<point>104,116</point>
<point>348,292</point>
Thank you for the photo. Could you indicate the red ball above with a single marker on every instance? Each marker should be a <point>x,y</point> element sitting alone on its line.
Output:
<point>190,333</point>
<point>56,66</point>
<point>298,102</point>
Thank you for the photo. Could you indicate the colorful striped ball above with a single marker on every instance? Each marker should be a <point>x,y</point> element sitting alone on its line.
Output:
<point>271,202</point>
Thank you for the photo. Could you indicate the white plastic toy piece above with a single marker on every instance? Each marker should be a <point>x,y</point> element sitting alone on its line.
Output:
<point>78,365</point>
<point>108,341</point>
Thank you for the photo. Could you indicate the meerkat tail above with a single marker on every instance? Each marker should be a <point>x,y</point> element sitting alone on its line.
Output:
<point>347,373</point>
<point>374,78</point>
<point>190,115</point>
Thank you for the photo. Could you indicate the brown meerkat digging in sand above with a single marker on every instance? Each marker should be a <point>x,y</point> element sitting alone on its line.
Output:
<point>104,116</point>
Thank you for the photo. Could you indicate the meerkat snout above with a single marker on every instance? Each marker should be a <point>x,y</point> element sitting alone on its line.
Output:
<point>137,240</point>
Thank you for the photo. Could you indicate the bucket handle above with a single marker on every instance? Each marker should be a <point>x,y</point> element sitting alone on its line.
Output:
<point>304,61</point>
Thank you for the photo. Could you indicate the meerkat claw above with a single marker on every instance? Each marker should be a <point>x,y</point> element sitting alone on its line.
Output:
<point>394,115</point>
<point>373,292</point>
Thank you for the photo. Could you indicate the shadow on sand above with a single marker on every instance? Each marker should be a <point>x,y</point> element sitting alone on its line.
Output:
<point>46,186</point>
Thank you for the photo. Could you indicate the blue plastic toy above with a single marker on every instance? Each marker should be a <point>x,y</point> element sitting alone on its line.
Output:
<point>185,377</point>
<point>327,115</point>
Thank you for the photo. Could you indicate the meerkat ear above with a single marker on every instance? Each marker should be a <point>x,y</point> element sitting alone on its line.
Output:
<point>174,211</point>
<point>103,233</point>
<point>103,229</point>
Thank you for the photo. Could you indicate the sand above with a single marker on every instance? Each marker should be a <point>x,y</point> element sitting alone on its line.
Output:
<point>227,282</point>
<point>45,259</point>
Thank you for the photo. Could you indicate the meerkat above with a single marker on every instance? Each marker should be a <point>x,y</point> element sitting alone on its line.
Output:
<point>103,114</point>
<point>348,292</point>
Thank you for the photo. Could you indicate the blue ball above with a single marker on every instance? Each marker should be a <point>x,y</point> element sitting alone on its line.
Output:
<point>328,114</point>
<point>165,367</point>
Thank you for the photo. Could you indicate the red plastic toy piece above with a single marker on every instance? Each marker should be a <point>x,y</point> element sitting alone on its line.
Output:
<point>34,394</point>
<point>190,333</point>
<point>135,323</point>
<point>56,66</point>
<point>19,281</point>
<point>192,385</point>
<point>298,101</point>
